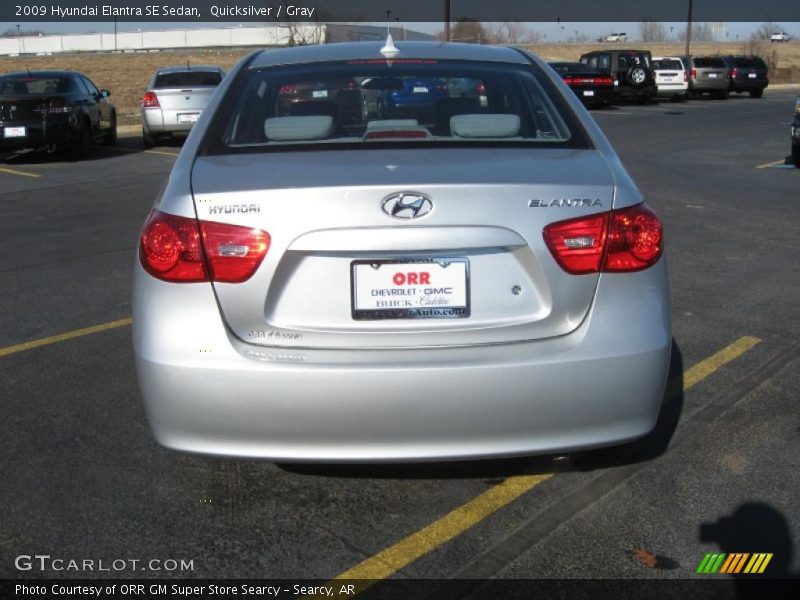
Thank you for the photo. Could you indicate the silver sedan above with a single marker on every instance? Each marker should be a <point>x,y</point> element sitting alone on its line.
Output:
<point>174,99</point>
<point>464,278</point>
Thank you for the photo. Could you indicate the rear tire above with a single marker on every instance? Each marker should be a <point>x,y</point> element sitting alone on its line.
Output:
<point>796,155</point>
<point>81,143</point>
<point>756,93</point>
<point>148,140</point>
<point>110,139</point>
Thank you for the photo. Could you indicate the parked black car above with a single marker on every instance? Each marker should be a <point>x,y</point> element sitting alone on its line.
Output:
<point>55,110</point>
<point>631,70</point>
<point>796,134</point>
<point>592,86</point>
<point>747,74</point>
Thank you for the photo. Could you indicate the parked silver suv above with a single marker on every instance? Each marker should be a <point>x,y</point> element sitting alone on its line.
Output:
<point>174,99</point>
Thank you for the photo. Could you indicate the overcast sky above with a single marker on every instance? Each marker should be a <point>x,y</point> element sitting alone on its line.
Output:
<point>553,31</point>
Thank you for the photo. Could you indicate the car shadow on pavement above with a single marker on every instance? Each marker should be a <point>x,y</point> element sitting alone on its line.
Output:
<point>754,528</point>
<point>647,448</point>
<point>124,146</point>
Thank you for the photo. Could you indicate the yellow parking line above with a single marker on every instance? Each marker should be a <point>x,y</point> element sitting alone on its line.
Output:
<point>21,173</point>
<point>771,164</point>
<point>706,367</point>
<point>62,337</point>
<point>389,561</point>
<point>132,150</point>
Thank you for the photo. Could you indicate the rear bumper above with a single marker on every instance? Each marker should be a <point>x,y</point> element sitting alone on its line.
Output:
<point>157,121</point>
<point>205,392</point>
<point>624,91</point>
<point>715,85</point>
<point>36,135</point>
<point>743,85</point>
<point>598,94</point>
<point>672,89</point>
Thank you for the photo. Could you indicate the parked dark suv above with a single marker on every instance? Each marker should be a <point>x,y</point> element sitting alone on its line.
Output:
<point>747,74</point>
<point>631,70</point>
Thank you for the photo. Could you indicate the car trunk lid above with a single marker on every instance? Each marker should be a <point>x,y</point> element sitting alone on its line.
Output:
<point>335,249</point>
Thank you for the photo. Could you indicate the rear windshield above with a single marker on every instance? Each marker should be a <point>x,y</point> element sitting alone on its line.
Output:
<point>632,59</point>
<point>413,101</point>
<point>709,63</point>
<point>32,85</point>
<point>749,63</point>
<point>188,79</point>
<point>667,64</point>
<point>568,68</point>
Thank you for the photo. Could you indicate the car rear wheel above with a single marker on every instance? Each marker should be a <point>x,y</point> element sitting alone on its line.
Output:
<point>80,143</point>
<point>148,140</point>
<point>110,139</point>
<point>756,93</point>
<point>796,155</point>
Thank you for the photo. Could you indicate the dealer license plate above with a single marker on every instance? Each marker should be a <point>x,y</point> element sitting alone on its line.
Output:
<point>410,289</point>
<point>14,132</point>
<point>184,118</point>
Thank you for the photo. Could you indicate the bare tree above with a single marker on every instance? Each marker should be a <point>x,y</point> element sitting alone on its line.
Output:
<point>764,31</point>
<point>512,33</point>
<point>470,30</point>
<point>308,32</point>
<point>653,31</point>
<point>701,32</point>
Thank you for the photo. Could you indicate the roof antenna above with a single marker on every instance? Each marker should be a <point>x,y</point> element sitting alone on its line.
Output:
<point>188,66</point>
<point>28,69</point>
<point>389,50</point>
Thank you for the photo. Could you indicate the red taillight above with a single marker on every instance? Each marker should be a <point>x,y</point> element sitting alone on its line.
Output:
<point>685,76</point>
<point>733,73</point>
<point>287,90</point>
<point>58,105</point>
<point>693,74</point>
<point>628,239</point>
<point>150,100</point>
<point>233,252</point>
<point>480,88</point>
<point>172,249</point>
<point>575,80</point>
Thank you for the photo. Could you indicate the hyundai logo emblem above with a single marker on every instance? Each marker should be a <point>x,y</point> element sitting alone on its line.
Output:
<point>407,205</point>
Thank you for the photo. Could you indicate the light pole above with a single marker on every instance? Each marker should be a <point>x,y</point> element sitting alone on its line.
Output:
<point>689,28</point>
<point>446,20</point>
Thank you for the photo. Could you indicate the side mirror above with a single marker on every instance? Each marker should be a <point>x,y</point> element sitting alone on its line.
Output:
<point>105,93</point>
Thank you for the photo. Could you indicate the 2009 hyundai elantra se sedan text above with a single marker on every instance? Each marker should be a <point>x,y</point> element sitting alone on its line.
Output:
<point>476,276</point>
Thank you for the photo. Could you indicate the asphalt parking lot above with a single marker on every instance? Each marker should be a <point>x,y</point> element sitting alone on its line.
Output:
<point>82,477</point>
